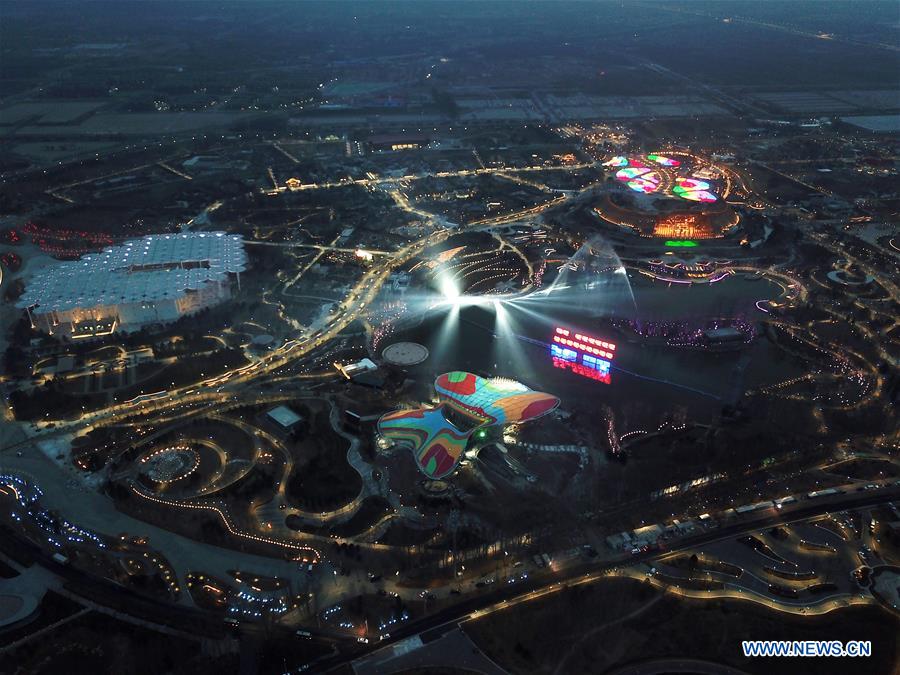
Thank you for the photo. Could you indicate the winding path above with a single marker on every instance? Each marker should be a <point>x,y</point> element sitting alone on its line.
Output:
<point>602,627</point>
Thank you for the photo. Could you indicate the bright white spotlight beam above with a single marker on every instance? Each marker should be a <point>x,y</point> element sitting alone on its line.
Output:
<point>449,290</point>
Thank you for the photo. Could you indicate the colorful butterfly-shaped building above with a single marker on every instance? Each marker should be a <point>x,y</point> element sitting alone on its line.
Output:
<point>439,435</point>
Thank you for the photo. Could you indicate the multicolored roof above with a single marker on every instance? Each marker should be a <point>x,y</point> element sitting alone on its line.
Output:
<point>693,189</point>
<point>495,401</point>
<point>640,178</point>
<point>616,161</point>
<point>663,160</point>
<point>650,173</point>
<point>436,442</point>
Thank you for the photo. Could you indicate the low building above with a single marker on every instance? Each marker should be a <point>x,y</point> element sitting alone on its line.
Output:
<point>375,379</point>
<point>723,335</point>
<point>874,124</point>
<point>397,142</point>
<point>351,370</point>
<point>285,418</point>
<point>206,163</point>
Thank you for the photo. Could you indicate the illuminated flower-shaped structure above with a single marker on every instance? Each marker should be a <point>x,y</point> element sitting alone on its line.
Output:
<point>617,161</point>
<point>663,160</point>
<point>693,189</point>
<point>640,178</point>
<point>474,402</point>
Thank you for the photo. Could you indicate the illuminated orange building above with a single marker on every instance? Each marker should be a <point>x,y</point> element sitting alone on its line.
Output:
<point>686,226</point>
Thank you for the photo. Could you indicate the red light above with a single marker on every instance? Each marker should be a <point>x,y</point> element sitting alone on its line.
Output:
<point>585,343</point>
<point>582,370</point>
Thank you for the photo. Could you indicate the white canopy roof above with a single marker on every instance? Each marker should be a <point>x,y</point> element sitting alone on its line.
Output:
<point>141,270</point>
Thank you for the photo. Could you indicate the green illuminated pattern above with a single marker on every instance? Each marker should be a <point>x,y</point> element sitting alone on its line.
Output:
<point>616,161</point>
<point>693,189</point>
<point>680,243</point>
<point>665,161</point>
<point>639,178</point>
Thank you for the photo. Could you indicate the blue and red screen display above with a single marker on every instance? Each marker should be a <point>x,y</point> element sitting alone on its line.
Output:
<point>582,354</point>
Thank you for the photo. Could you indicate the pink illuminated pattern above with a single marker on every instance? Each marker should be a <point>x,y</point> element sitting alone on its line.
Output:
<point>646,175</point>
<point>639,178</point>
<point>664,161</point>
<point>616,161</point>
<point>693,189</point>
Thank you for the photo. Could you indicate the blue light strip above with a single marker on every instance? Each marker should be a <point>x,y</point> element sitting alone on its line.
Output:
<point>563,353</point>
<point>616,368</point>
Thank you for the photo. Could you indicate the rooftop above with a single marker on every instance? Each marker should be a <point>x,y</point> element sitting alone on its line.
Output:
<point>875,123</point>
<point>156,267</point>
<point>284,416</point>
<point>405,353</point>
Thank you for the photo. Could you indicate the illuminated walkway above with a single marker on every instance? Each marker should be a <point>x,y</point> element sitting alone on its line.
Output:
<point>734,591</point>
<point>96,512</point>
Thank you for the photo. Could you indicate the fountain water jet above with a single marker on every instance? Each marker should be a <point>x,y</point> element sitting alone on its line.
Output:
<point>593,281</point>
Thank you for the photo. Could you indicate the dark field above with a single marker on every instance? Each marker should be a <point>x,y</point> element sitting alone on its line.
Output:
<point>616,621</point>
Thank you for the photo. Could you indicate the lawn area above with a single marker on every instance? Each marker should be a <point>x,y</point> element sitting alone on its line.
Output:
<point>589,629</point>
<point>866,469</point>
<point>373,509</point>
<point>399,534</point>
<point>322,479</point>
<point>97,643</point>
